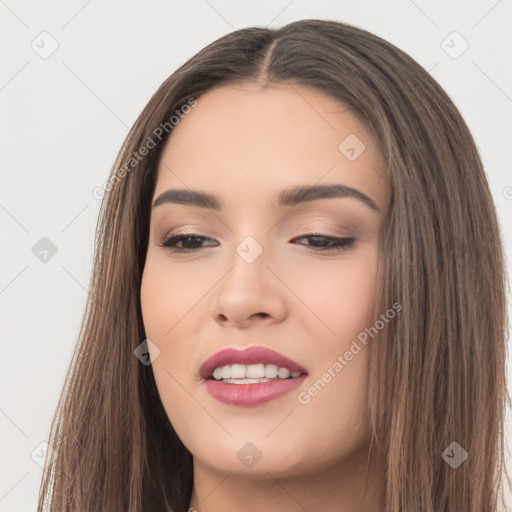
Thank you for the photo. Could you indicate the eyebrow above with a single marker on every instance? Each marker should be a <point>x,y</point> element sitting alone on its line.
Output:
<point>288,197</point>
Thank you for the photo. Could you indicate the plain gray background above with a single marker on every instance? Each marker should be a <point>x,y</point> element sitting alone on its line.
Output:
<point>65,114</point>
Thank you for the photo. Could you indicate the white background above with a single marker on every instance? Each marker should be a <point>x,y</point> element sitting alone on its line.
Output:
<point>64,118</point>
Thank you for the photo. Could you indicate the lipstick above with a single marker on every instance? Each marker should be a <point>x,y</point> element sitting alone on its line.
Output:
<point>251,393</point>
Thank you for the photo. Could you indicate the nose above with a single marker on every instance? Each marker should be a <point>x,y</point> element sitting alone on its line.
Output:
<point>249,294</point>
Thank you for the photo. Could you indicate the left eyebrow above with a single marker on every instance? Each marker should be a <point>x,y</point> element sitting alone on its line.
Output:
<point>288,197</point>
<point>298,195</point>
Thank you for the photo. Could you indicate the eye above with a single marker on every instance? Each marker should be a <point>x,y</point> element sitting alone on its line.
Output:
<point>328,243</point>
<point>191,242</point>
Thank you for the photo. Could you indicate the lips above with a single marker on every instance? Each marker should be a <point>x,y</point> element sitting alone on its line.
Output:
<point>249,355</point>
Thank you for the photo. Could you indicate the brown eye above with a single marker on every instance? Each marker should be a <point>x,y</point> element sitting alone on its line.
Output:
<point>190,242</point>
<point>328,243</point>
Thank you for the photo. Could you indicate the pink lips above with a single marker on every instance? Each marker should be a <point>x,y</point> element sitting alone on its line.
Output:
<point>250,355</point>
<point>252,394</point>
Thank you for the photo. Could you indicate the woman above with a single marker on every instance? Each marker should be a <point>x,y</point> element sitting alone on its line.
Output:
<point>298,297</point>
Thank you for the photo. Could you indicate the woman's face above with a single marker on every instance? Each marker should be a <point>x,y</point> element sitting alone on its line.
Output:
<point>258,276</point>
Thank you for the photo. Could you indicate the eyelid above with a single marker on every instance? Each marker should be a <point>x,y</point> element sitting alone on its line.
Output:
<point>304,231</point>
<point>339,231</point>
<point>189,229</point>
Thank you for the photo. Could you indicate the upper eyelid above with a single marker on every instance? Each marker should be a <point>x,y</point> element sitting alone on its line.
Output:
<point>307,232</point>
<point>193,229</point>
<point>304,214</point>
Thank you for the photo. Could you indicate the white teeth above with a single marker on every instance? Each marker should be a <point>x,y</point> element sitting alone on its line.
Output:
<point>258,372</point>
<point>271,371</point>
<point>283,373</point>
<point>255,371</point>
<point>238,371</point>
<point>245,381</point>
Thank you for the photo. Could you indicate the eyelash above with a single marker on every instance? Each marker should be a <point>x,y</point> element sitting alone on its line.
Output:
<point>336,243</point>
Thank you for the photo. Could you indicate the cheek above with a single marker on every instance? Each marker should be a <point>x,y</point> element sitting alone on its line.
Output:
<point>167,295</point>
<point>340,294</point>
<point>335,397</point>
<point>171,314</point>
<point>155,305</point>
<point>343,302</point>
<point>160,315</point>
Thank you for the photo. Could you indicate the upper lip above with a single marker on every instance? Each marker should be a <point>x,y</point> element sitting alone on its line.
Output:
<point>249,355</point>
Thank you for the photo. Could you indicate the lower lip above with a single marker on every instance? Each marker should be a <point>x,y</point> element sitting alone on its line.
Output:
<point>251,394</point>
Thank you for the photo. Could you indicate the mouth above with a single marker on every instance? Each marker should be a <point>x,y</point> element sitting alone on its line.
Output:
<point>253,393</point>
<point>254,362</point>
<point>250,376</point>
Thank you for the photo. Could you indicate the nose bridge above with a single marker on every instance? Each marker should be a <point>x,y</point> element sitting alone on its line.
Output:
<point>248,264</point>
<point>252,249</point>
<point>251,231</point>
<point>255,245</point>
<point>248,288</point>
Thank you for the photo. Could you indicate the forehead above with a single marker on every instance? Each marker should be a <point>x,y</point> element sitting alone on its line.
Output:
<point>252,142</point>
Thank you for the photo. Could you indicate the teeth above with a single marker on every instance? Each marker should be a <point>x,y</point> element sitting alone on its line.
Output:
<point>258,372</point>
<point>237,371</point>
<point>217,374</point>
<point>254,371</point>
<point>283,373</point>
<point>245,381</point>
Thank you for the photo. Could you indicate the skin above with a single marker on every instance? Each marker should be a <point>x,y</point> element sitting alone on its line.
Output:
<point>246,144</point>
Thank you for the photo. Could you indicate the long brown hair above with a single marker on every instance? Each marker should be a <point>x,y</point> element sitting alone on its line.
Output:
<point>436,376</point>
